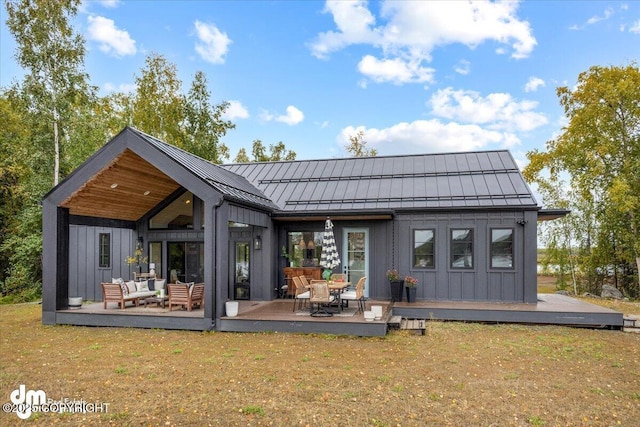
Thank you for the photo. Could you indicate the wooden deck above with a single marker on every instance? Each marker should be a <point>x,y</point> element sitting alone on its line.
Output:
<point>278,316</point>
<point>551,309</point>
<point>93,314</point>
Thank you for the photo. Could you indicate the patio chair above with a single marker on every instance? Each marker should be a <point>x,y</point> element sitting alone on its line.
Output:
<point>301,294</point>
<point>320,295</point>
<point>356,295</point>
<point>185,295</point>
<point>288,290</point>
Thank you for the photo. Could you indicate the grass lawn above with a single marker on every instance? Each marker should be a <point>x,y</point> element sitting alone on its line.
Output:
<point>459,374</point>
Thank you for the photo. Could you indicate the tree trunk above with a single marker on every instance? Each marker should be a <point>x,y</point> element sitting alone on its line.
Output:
<point>638,265</point>
<point>56,149</point>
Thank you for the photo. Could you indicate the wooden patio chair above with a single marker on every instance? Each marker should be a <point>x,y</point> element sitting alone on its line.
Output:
<point>321,296</point>
<point>288,289</point>
<point>301,293</point>
<point>185,295</point>
<point>356,295</point>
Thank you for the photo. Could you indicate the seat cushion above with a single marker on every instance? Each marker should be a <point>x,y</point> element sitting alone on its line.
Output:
<point>304,295</point>
<point>348,295</point>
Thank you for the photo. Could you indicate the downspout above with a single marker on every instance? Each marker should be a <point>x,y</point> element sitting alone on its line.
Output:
<point>215,264</point>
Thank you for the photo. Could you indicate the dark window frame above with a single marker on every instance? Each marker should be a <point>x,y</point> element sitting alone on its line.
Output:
<point>104,251</point>
<point>491,247</point>
<point>414,255</point>
<point>453,244</point>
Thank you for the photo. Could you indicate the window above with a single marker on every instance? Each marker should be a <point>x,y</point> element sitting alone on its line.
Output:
<point>155,258</point>
<point>304,248</point>
<point>501,248</point>
<point>462,248</point>
<point>104,250</point>
<point>186,262</point>
<point>423,248</point>
<point>178,215</point>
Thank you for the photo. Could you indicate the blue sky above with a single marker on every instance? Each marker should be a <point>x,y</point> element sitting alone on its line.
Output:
<point>416,76</point>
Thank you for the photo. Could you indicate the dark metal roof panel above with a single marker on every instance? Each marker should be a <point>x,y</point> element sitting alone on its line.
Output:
<point>454,180</point>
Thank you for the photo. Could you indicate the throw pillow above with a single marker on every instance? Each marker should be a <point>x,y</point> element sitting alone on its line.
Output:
<point>159,284</point>
<point>125,289</point>
<point>142,286</point>
<point>132,286</point>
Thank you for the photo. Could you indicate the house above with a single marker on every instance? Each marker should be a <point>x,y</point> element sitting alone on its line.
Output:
<point>463,224</point>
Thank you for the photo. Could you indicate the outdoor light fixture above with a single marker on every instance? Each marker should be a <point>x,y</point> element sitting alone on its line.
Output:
<point>257,243</point>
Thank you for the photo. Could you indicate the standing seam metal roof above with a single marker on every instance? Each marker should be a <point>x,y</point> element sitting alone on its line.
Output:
<point>452,180</point>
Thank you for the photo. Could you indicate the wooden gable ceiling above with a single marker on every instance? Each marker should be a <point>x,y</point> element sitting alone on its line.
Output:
<point>126,189</point>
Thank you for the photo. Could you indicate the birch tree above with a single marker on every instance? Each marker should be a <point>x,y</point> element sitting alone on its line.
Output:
<point>52,54</point>
<point>599,150</point>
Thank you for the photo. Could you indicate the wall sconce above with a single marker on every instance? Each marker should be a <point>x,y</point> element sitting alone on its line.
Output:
<point>257,243</point>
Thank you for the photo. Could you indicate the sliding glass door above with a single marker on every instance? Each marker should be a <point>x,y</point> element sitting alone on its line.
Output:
<point>185,261</point>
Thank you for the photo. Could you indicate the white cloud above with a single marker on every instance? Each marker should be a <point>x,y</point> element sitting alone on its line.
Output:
<point>594,19</point>
<point>111,4</point>
<point>423,136</point>
<point>293,116</point>
<point>534,84</point>
<point>608,12</point>
<point>463,67</point>
<point>635,27</point>
<point>123,87</point>
<point>412,30</point>
<point>498,111</point>
<point>112,40</point>
<point>213,44</point>
<point>396,71</point>
<point>236,111</point>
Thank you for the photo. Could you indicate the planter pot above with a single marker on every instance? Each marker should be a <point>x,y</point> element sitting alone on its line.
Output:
<point>75,303</point>
<point>396,290</point>
<point>231,307</point>
<point>411,293</point>
<point>377,311</point>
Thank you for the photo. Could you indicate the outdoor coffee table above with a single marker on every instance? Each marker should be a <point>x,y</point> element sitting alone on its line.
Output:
<point>160,302</point>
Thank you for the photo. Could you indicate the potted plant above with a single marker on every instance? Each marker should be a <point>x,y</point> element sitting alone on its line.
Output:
<point>411,284</point>
<point>396,285</point>
<point>137,258</point>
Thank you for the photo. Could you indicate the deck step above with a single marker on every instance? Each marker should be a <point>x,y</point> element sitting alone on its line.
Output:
<point>394,322</point>
<point>414,325</point>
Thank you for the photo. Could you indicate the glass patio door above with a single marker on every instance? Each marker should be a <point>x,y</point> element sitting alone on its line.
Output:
<point>355,255</point>
<point>185,262</point>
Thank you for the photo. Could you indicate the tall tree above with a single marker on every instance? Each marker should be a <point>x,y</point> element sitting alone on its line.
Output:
<point>53,55</point>
<point>158,104</point>
<point>277,153</point>
<point>599,150</point>
<point>358,146</point>
<point>204,122</point>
